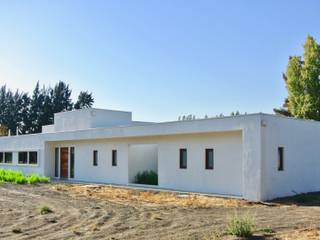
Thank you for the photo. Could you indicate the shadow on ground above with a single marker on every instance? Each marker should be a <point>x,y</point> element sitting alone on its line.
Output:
<point>304,199</point>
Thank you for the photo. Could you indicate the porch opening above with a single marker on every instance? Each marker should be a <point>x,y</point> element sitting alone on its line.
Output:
<point>143,164</point>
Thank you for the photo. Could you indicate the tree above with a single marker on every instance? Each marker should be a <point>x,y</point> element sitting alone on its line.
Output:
<point>302,80</point>
<point>61,97</point>
<point>28,115</point>
<point>85,100</point>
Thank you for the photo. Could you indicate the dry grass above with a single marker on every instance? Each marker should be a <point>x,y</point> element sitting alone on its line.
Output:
<point>153,197</point>
<point>301,234</point>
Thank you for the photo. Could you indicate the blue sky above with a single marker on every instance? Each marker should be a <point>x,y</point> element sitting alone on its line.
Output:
<point>157,58</point>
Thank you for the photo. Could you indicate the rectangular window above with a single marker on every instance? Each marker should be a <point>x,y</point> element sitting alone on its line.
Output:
<point>114,158</point>
<point>72,162</point>
<point>95,158</point>
<point>56,162</point>
<point>8,157</point>
<point>33,158</point>
<point>209,158</point>
<point>1,157</point>
<point>183,158</point>
<point>280,159</point>
<point>23,158</point>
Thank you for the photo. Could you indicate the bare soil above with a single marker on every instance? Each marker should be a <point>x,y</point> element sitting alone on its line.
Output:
<point>104,212</point>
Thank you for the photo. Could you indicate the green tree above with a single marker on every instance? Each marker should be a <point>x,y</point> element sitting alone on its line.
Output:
<point>61,97</point>
<point>302,80</point>
<point>85,100</point>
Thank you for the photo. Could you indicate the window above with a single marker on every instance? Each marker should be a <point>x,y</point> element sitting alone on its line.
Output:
<point>23,158</point>
<point>209,158</point>
<point>72,162</point>
<point>1,157</point>
<point>8,157</point>
<point>114,158</point>
<point>33,158</point>
<point>280,159</point>
<point>95,158</point>
<point>56,162</point>
<point>183,158</point>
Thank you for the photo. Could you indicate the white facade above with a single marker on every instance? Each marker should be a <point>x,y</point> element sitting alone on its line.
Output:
<point>245,152</point>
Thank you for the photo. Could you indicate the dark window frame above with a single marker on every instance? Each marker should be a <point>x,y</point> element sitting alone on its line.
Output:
<point>114,158</point>
<point>280,158</point>
<point>183,164</point>
<point>30,158</point>
<point>72,162</point>
<point>209,166</point>
<point>23,159</point>
<point>1,157</point>
<point>56,161</point>
<point>95,158</point>
<point>5,157</point>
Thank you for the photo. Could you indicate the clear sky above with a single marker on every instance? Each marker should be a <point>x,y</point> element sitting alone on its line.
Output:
<point>158,58</point>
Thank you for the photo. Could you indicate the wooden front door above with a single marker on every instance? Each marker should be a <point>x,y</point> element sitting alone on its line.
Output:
<point>64,156</point>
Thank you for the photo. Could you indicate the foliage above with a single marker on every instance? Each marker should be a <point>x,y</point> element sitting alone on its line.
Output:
<point>45,210</point>
<point>302,81</point>
<point>85,100</point>
<point>147,177</point>
<point>17,177</point>
<point>28,114</point>
<point>241,226</point>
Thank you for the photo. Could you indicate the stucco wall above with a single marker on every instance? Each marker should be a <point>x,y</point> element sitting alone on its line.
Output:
<point>300,140</point>
<point>226,178</point>
<point>142,157</point>
<point>104,172</point>
<point>15,144</point>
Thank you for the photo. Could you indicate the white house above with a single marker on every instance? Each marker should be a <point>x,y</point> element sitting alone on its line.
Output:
<point>255,156</point>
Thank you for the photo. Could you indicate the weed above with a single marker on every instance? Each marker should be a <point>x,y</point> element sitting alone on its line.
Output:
<point>241,226</point>
<point>45,210</point>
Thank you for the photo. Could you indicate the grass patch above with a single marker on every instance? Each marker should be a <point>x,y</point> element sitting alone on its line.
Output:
<point>147,177</point>
<point>11,176</point>
<point>45,210</point>
<point>267,230</point>
<point>241,226</point>
<point>17,230</point>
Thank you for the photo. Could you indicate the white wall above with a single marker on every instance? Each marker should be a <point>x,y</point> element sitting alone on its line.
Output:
<point>142,157</point>
<point>226,178</point>
<point>300,140</point>
<point>89,118</point>
<point>104,172</point>
<point>23,143</point>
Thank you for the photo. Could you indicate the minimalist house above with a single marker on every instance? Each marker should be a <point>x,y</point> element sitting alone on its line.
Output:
<point>255,156</point>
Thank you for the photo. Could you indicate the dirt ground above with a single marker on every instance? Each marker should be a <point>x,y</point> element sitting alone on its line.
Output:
<point>104,212</point>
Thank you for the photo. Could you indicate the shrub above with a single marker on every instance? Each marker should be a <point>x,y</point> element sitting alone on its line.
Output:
<point>45,210</point>
<point>241,226</point>
<point>147,177</point>
<point>17,177</point>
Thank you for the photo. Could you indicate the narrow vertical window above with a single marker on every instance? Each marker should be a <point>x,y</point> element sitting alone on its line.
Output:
<point>23,158</point>
<point>209,158</point>
<point>8,157</point>
<point>33,157</point>
<point>56,162</point>
<point>114,158</point>
<point>72,162</point>
<point>183,158</point>
<point>95,158</point>
<point>280,159</point>
<point>1,157</point>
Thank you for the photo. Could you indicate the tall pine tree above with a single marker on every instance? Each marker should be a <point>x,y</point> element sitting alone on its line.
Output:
<point>302,80</point>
